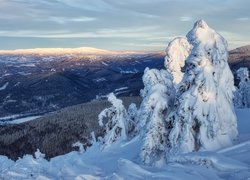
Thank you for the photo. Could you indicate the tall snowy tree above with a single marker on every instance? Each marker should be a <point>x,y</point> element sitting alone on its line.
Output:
<point>157,96</point>
<point>116,121</point>
<point>242,94</point>
<point>177,52</point>
<point>205,117</point>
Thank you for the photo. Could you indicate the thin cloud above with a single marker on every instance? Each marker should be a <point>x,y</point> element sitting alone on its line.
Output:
<point>62,20</point>
<point>136,32</point>
<point>186,18</point>
<point>243,19</point>
<point>85,21</point>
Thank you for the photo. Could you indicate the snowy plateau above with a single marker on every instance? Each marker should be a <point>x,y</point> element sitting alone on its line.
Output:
<point>188,124</point>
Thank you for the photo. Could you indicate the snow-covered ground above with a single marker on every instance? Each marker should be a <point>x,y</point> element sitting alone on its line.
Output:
<point>121,161</point>
<point>4,86</point>
<point>15,119</point>
<point>22,120</point>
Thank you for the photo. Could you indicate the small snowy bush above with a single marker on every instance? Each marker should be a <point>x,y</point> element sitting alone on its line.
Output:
<point>39,155</point>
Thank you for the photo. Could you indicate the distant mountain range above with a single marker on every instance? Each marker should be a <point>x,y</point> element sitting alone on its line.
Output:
<point>37,81</point>
<point>64,51</point>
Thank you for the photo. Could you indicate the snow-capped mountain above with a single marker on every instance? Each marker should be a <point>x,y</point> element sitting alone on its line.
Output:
<point>63,51</point>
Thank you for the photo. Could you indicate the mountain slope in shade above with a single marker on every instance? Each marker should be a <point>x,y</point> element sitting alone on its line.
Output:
<point>240,57</point>
<point>35,84</point>
<point>243,49</point>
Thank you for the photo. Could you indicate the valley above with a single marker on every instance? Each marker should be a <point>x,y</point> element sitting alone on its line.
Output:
<point>36,84</point>
<point>33,84</point>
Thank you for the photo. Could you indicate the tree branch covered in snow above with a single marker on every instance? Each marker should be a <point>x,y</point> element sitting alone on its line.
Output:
<point>177,52</point>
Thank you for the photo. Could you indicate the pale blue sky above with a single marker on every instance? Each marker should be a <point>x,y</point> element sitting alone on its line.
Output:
<point>117,24</point>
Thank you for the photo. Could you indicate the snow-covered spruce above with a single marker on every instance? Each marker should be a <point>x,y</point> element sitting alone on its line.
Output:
<point>205,117</point>
<point>177,52</point>
<point>117,121</point>
<point>132,121</point>
<point>158,96</point>
<point>242,94</point>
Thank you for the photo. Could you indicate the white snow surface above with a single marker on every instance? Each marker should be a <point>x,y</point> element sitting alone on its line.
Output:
<point>22,120</point>
<point>121,161</point>
<point>4,86</point>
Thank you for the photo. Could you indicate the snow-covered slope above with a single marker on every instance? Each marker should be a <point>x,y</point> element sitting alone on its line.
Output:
<point>121,161</point>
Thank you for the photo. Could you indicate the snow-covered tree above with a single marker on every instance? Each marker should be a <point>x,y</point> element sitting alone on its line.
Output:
<point>132,121</point>
<point>116,118</point>
<point>177,52</point>
<point>157,96</point>
<point>151,79</point>
<point>204,117</point>
<point>242,94</point>
<point>132,111</point>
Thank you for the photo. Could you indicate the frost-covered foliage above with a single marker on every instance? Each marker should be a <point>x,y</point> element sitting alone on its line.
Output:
<point>242,94</point>
<point>158,95</point>
<point>116,126</point>
<point>205,117</point>
<point>177,52</point>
